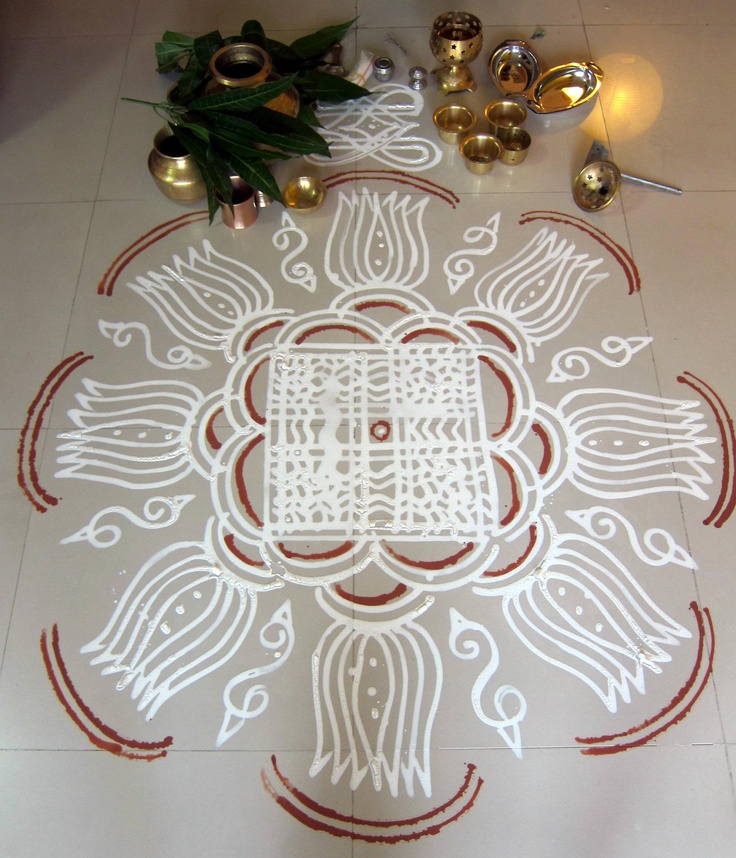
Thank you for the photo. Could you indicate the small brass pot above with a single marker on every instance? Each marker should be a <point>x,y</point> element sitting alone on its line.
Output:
<point>516,143</point>
<point>454,121</point>
<point>504,114</point>
<point>480,152</point>
<point>174,170</point>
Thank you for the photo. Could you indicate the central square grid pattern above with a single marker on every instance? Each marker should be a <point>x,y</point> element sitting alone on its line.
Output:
<point>369,441</point>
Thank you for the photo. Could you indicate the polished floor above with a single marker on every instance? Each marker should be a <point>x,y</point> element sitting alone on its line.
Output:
<point>405,527</point>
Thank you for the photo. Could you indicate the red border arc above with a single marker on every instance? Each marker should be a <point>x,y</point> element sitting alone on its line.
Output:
<point>319,817</point>
<point>98,733</point>
<point>676,710</point>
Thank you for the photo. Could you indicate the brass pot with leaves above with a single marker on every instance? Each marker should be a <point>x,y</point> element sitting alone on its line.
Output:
<point>241,64</point>
<point>236,130</point>
<point>174,170</point>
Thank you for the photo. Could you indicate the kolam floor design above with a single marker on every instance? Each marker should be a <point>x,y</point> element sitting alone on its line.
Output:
<point>406,526</point>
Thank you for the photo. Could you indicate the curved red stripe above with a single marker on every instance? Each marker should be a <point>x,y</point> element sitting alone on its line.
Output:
<point>418,181</point>
<point>90,715</point>
<point>240,480</point>
<point>515,501</point>
<point>320,329</point>
<point>122,260</point>
<point>497,332</point>
<point>371,305</point>
<point>434,332</point>
<point>111,747</point>
<point>543,436</point>
<point>398,176</point>
<point>430,565</point>
<point>324,555</point>
<point>320,825</point>
<point>212,438</point>
<point>684,712</point>
<point>254,336</point>
<point>726,501</point>
<point>619,254</point>
<point>33,425</point>
<point>234,550</point>
<point>510,394</point>
<point>498,573</point>
<point>372,601</point>
<point>248,394</point>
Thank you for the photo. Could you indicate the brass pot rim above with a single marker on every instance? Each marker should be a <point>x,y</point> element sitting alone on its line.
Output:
<point>250,53</point>
<point>166,133</point>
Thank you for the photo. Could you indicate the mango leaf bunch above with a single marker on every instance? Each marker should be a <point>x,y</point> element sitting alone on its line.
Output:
<point>233,131</point>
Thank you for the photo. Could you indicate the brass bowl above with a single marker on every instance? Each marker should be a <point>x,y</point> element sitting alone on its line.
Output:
<point>480,152</point>
<point>564,87</point>
<point>596,185</point>
<point>505,114</point>
<point>453,122</point>
<point>516,142</point>
<point>305,194</point>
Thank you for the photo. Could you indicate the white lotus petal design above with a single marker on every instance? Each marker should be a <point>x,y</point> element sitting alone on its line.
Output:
<point>583,612</point>
<point>542,288</point>
<point>396,671</point>
<point>377,241</point>
<point>180,618</point>
<point>131,435</point>
<point>207,299</point>
<point>625,444</point>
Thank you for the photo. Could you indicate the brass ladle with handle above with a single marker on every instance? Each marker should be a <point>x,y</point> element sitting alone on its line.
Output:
<point>598,183</point>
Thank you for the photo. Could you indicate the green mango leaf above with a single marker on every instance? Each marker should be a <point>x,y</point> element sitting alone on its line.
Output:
<point>178,39</point>
<point>253,33</point>
<point>170,56</point>
<point>198,150</point>
<point>205,46</point>
<point>289,134</point>
<point>322,86</point>
<point>256,174</point>
<point>219,171</point>
<point>243,98</point>
<point>241,145</point>
<point>284,59</point>
<point>307,115</point>
<point>196,129</point>
<point>265,127</point>
<point>317,44</point>
<point>191,82</point>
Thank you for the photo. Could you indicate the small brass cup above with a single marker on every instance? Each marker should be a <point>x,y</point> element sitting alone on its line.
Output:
<point>504,114</point>
<point>453,122</point>
<point>304,195</point>
<point>480,152</point>
<point>516,143</point>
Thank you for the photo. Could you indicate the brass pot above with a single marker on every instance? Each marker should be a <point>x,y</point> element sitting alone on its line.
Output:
<point>174,170</point>
<point>240,64</point>
<point>244,65</point>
